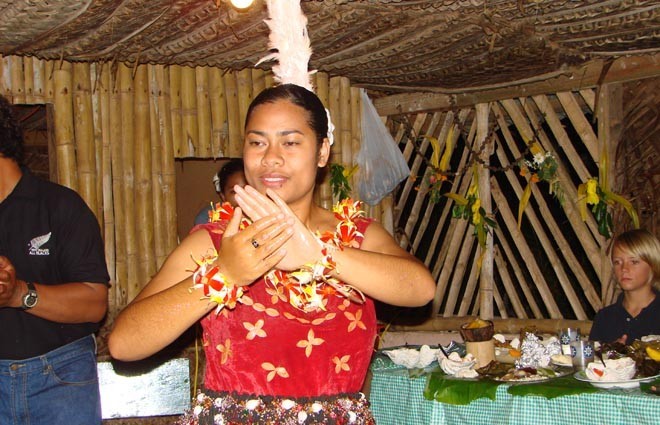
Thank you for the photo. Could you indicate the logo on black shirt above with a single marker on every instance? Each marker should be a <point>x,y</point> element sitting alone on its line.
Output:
<point>36,244</point>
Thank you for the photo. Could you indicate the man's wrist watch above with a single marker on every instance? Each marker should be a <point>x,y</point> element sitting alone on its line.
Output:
<point>31,298</point>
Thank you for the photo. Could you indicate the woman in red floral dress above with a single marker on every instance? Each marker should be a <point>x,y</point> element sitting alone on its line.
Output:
<point>283,287</point>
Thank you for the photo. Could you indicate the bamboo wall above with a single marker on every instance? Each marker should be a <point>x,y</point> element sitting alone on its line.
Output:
<point>555,265</point>
<point>119,129</point>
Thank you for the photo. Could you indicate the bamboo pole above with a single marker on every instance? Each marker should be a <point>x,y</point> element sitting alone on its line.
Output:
<point>507,282</point>
<point>38,81</point>
<point>610,126</point>
<point>128,156</point>
<point>64,136</point>
<point>118,192</point>
<point>517,271</point>
<point>144,204</point>
<point>507,326</point>
<point>446,210</point>
<point>204,149</point>
<point>28,83</point>
<point>455,236</point>
<point>83,122</point>
<point>17,80</point>
<point>5,77</point>
<point>244,94</point>
<point>589,97</point>
<point>167,179</point>
<point>176,118</point>
<point>156,82</point>
<point>220,136</point>
<point>580,123</point>
<point>525,252</point>
<point>323,192</point>
<point>407,152</point>
<point>258,79</point>
<point>233,116</point>
<point>334,105</point>
<point>459,271</point>
<point>356,140</point>
<point>460,185</point>
<point>414,170</point>
<point>49,84</point>
<point>343,123</point>
<point>189,112</point>
<point>486,276</point>
<point>269,79</point>
<point>470,287</point>
<point>104,123</point>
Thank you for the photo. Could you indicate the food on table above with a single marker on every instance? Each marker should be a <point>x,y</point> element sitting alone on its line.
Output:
<point>561,359</point>
<point>477,330</point>
<point>527,374</point>
<point>478,323</point>
<point>621,369</point>
<point>645,364</point>
<point>653,353</point>
<point>536,353</point>
<point>459,367</point>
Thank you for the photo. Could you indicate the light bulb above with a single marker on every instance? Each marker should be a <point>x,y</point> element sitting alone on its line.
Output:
<point>241,4</point>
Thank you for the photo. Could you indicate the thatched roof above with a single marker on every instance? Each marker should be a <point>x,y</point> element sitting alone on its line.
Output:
<point>388,45</point>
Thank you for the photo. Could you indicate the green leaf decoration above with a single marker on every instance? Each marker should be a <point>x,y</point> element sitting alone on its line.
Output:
<point>341,188</point>
<point>558,387</point>
<point>442,388</point>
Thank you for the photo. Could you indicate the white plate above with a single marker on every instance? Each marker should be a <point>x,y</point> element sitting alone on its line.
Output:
<point>630,383</point>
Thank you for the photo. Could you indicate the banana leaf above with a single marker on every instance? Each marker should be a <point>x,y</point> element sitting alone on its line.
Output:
<point>440,387</point>
<point>552,388</point>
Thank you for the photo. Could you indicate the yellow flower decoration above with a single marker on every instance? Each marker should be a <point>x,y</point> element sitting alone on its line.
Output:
<point>592,193</point>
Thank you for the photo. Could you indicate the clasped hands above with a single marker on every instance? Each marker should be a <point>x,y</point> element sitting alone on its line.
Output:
<point>275,239</point>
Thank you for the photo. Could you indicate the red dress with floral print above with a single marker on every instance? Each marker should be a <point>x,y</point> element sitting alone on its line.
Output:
<point>265,346</point>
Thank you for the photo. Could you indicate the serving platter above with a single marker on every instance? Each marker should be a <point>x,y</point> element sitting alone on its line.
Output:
<point>630,383</point>
<point>539,377</point>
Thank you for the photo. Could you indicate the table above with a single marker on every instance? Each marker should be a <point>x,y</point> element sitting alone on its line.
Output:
<point>396,398</point>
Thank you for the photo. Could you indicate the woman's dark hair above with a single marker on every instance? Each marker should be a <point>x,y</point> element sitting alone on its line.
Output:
<point>11,135</point>
<point>234,165</point>
<point>317,119</point>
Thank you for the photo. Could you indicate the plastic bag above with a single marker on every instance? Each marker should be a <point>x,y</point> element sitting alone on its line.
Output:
<point>381,164</point>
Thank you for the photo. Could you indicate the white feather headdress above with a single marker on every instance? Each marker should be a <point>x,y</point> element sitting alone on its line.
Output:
<point>290,43</point>
<point>291,47</point>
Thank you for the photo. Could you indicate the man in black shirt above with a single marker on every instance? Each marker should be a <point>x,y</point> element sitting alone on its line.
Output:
<point>53,294</point>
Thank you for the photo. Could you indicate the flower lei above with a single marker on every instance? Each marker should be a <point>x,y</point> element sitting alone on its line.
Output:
<point>307,288</point>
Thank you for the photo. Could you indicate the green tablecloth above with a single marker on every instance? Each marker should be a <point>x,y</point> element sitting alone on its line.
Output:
<point>396,398</point>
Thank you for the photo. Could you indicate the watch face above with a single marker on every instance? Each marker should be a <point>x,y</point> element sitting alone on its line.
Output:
<point>30,299</point>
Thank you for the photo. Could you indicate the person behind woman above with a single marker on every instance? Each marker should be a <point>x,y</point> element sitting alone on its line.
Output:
<point>287,352</point>
<point>636,263</point>
<point>229,175</point>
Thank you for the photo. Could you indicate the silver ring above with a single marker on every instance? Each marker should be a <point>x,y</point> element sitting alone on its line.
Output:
<point>254,243</point>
